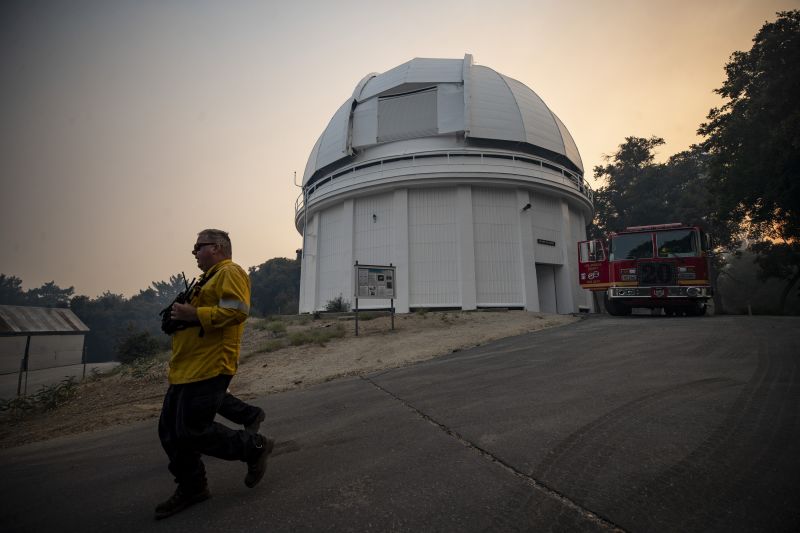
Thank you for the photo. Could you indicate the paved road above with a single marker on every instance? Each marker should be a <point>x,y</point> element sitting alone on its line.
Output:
<point>637,424</point>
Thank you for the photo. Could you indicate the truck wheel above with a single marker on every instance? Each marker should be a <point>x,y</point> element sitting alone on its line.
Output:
<point>669,311</point>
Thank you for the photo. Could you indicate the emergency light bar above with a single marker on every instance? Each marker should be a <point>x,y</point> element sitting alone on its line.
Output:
<point>654,227</point>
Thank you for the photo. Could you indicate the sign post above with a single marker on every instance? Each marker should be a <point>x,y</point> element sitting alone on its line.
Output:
<point>375,282</point>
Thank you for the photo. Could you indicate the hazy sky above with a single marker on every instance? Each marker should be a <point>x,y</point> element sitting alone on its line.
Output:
<point>128,126</point>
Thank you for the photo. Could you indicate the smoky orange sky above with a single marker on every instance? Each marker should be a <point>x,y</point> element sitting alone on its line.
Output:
<point>128,126</point>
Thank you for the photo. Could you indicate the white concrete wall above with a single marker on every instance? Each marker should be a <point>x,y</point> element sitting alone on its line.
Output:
<point>400,259</point>
<point>373,236</point>
<point>498,273</point>
<point>565,281</point>
<point>433,251</point>
<point>308,273</point>
<point>546,218</point>
<point>466,247</point>
<point>332,263</point>
<point>455,246</point>
<point>527,252</point>
<point>581,296</point>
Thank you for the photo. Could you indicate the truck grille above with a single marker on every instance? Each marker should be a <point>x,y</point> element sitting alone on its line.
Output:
<point>655,273</point>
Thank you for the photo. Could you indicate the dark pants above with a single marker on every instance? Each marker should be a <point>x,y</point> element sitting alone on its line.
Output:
<point>187,430</point>
<point>238,411</point>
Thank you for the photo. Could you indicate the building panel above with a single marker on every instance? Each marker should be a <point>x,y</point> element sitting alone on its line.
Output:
<point>498,274</point>
<point>450,106</point>
<point>333,143</point>
<point>373,237</point>
<point>540,126</point>
<point>578,234</point>
<point>407,116</point>
<point>433,248</point>
<point>365,124</point>
<point>548,241</point>
<point>493,111</point>
<point>332,264</point>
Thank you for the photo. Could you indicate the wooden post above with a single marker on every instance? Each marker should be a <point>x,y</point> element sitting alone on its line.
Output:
<point>23,367</point>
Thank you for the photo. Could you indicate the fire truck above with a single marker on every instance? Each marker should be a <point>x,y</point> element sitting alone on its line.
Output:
<point>664,266</point>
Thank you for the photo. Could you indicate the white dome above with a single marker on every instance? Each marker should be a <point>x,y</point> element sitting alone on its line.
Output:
<point>450,102</point>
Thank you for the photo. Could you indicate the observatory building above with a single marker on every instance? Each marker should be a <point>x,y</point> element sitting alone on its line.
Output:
<point>458,176</point>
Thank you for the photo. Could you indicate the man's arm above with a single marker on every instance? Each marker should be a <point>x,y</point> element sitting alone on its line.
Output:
<point>233,306</point>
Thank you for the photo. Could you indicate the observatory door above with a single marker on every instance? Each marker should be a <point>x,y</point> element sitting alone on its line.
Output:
<point>546,280</point>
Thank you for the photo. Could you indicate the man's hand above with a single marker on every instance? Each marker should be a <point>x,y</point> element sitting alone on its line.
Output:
<point>185,312</point>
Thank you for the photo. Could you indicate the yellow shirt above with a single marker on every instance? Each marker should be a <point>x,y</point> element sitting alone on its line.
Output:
<point>223,304</point>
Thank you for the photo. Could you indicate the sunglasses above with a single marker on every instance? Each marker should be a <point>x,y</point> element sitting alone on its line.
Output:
<point>200,245</point>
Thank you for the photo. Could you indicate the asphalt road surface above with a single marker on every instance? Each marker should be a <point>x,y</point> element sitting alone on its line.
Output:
<point>634,424</point>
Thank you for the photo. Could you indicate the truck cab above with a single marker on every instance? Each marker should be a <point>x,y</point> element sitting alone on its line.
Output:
<point>664,266</point>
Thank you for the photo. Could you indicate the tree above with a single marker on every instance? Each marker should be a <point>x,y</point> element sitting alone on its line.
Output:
<point>105,317</point>
<point>754,140</point>
<point>779,261</point>
<point>626,199</point>
<point>136,344</point>
<point>275,286</point>
<point>639,191</point>
<point>166,291</point>
<point>11,292</point>
<point>49,295</point>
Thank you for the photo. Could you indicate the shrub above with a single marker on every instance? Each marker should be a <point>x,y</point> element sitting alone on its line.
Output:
<point>338,305</point>
<point>47,398</point>
<point>316,336</point>
<point>135,345</point>
<point>276,327</point>
<point>145,368</point>
<point>272,345</point>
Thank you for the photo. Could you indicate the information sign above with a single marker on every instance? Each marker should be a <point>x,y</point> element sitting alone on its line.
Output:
<point>375,281</point>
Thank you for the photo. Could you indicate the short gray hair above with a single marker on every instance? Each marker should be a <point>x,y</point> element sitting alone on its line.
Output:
<point>217,236</point>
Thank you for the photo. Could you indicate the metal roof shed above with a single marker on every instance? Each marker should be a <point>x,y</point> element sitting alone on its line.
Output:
<point>22,321</point>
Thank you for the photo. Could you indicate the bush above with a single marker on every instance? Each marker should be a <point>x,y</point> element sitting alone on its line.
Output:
<point>316,336</point>
<point>338,305</point>
<point>135,345</point>
<point>272,345</point>
<point>276,327</point>
<point>145,368</point>
<point>47,398</point>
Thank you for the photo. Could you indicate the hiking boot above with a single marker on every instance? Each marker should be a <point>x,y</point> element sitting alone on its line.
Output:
<point>255,425</point>
<point>257,467</point>
<point>180,501</point>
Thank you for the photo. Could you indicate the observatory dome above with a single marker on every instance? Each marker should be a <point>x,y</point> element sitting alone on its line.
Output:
<point>452,100</point>
<point>457,176</point>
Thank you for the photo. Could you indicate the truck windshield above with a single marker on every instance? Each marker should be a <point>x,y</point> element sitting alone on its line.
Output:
<point>676,243</point>
<point>631,246</point>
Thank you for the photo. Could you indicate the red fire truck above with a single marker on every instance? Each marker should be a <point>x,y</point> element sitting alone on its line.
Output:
<point>661,266</point>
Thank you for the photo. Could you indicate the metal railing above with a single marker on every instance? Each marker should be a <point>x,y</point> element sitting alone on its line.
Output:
<point>353,169</point>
